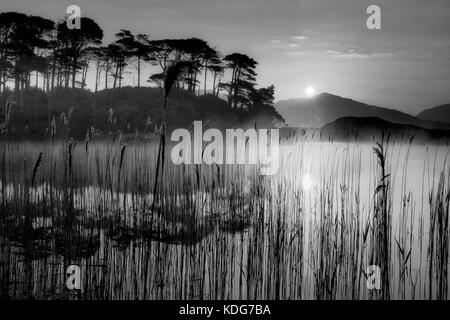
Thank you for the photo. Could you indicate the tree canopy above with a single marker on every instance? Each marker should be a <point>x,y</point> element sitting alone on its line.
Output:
<point>60,57</point>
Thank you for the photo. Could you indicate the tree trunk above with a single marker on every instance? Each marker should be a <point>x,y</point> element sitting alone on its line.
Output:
<point>139,72</point>
<point>238,75</point>
<point>206,73</point>
<point>106,75</point>
<point>53,71</point>
<point>97,75</point>
<point>115,76</point>
<point>83,77</point>
<point>47,82</point>
<point>66,76</point>
<point>194,81</point>
<point>120,76</point>
<point>74,72</point>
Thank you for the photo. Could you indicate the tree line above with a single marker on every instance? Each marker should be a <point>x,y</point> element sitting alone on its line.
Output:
<point>33,46</point>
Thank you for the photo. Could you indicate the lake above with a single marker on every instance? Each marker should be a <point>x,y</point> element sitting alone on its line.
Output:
<point>223,231</point>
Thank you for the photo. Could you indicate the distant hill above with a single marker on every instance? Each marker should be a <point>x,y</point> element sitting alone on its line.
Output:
<point>440,113</point>
<point>351,128</point>
<point>324,108</point>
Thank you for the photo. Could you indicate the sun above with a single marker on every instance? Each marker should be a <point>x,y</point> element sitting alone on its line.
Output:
<point>310,91</point>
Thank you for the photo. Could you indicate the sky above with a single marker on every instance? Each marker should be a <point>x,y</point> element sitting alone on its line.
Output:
<point>299,43</point>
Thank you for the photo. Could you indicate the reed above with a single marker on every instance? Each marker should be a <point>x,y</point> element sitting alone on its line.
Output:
<point>221,231</point>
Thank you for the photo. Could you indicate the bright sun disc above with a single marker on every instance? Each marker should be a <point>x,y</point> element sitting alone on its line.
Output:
<point>310,91</point>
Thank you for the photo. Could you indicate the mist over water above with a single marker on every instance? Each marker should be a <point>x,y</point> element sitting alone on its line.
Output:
<point>217,231</point>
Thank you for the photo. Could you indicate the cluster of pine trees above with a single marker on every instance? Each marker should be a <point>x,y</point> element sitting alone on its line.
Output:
<point>34,48</point>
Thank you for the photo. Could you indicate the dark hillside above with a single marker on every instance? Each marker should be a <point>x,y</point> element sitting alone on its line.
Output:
<point>127,109</point>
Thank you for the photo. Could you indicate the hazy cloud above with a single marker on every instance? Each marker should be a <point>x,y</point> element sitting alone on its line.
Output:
<point>300,37</point>
<point>358,54</point>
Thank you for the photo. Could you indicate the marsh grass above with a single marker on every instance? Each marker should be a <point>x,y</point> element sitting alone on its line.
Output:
<point>220,231</point>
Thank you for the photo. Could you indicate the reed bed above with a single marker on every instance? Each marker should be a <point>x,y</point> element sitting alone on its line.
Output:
<point>222,231</point>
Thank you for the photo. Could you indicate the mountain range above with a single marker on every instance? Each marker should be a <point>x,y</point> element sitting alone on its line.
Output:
<point>352,128</point>
<point>325,108</point>
<point>440,113</point>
